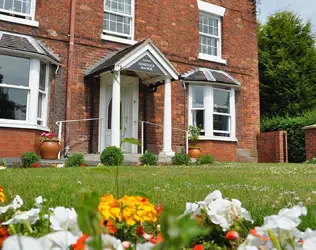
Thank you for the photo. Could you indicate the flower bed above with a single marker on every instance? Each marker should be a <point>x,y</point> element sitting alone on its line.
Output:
<point>132,222</point>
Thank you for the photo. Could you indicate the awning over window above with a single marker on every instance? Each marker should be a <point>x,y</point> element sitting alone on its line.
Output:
<point>143,58</point>
<point>207,75</point>
<point>11,42</point>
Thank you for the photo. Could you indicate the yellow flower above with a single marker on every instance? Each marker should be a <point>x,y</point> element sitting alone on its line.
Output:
<point>3,199</point>
<point>54,165</point>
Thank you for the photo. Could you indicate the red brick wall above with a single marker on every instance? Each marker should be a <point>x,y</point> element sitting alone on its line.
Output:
<point>272,147</point>
<point>310,142</point>
<point>173,26</point>
<point>15,142</point>
<point>220,150</point>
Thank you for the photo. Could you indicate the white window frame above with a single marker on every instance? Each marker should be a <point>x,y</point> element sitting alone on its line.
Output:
<point>32,98</point>
<point>110,35</point>
<point>209,112</point>
<point>24,19</point>
<point>217,12</point>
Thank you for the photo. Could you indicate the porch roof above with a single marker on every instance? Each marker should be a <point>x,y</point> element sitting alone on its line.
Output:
<point>133,58</point>
<point>207,75</point>
<point>23,44</point>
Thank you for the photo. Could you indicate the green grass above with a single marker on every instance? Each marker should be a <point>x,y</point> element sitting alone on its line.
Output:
<point>262,188</point>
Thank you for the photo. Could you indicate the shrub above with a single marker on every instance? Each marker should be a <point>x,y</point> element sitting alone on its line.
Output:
<point>205,159</point>
<point>112,156</point>
<point>295,132</point>
<point>29,158</point>
<point>74,160</point>
<point>180,159</point>
<point>149,159</point>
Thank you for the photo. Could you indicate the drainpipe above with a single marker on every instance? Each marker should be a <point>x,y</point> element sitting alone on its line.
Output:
<point>70,68</point>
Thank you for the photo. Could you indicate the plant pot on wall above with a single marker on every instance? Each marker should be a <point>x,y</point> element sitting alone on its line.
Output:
<point>49,150</point>
<point>194,152</point>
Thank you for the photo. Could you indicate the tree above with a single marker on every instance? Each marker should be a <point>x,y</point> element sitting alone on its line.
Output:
<point>287,65</point>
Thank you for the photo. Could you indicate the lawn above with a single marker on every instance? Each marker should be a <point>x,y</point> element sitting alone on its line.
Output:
<point>262,188</point>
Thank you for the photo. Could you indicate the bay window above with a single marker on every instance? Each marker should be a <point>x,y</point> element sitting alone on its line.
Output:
<point>212,108</point>
<point>23,91</point>
<point>118,23</point>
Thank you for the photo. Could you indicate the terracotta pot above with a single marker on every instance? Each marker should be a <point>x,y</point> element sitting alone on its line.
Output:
<point>49,150</point>
<point>194,152</point>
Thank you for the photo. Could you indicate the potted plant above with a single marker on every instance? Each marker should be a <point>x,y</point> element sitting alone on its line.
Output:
<point>50,146</point>
<point>194,133</point>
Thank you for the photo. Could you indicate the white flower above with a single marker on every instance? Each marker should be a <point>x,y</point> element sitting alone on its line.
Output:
<point>213,196</point>
<point>21,242</point>
<point>16,203</point>
<point>60,165</point>
<point>53,241</point>
<point>2,168</point>
<point>19,216</point>
<point>108,242</point>
<point>38,201</point>
<point>58,240</point>
<point>145,246</point>
<point>64,219</point>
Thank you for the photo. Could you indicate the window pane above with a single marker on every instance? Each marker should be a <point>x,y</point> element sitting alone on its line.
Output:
<point>117,23</point>
<point>13,104</point>
<point>20,6</point>
<point>208,45</point>
<point>208,24</point>
<point>198,118</point>
<point>40,105</point>
<point>15,70</point>
<point>42,76</point>
<point>221,101</point>
<point>221,122</point>
<point>118,6</point>
<point>197,97</point>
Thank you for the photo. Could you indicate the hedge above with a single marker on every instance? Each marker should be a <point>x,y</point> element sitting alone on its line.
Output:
<point>294,127</point>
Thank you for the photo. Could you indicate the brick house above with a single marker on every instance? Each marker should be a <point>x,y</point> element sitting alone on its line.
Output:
<point>119,62</point>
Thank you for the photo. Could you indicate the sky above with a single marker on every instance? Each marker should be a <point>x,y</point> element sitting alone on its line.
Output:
<point>305,8</point>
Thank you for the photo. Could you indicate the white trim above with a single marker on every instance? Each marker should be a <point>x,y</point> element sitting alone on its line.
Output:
<point>140,51</point>
<point>211,8</point>
<point>117,39</point>
<point>211,58</point>
<point>23,126</point>
<point>209,113</point>
<point>217,138</point>
<point>19,20</point>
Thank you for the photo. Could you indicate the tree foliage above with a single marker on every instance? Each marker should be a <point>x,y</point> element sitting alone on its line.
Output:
<point>287,65</point>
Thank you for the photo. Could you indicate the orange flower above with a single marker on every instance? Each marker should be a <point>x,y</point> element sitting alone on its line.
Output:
<point>253,232</point>
<point>159,209</point>
<point>140,230</point>
<point>3,199</point>
<point>232,235</point>
<point>80,244</point>
<point>156,239</point>
<point>198,247</point>
<point>3,235</point>
<point>199,219</point>
<point>111,227</point>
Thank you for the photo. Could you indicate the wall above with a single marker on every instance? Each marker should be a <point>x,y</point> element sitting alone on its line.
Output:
<point>15,142</point>
<point>272,147</point>
<point>173,26</point>
<point>220,150</point>
<point>310,142</point>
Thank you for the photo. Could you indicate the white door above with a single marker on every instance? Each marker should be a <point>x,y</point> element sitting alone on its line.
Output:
<point>128,111</point>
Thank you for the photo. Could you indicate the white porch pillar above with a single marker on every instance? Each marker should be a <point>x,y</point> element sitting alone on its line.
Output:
<point>167,122</point>
<point>116,109</point>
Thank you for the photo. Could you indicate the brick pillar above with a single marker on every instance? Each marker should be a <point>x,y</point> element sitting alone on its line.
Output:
<point>310,142</point>
<point>272,147</point>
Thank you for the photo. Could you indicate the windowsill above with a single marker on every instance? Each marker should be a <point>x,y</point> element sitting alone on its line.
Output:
<point>117,39</point>
<point>23,125</point>
<point>207,57</point>
<point>217,138</point>
<point>19,20</point>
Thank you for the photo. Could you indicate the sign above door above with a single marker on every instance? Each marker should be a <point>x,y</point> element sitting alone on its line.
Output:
<point>146,64</point>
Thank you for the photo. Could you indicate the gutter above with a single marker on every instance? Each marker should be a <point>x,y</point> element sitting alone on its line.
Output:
<point>70,68</point>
